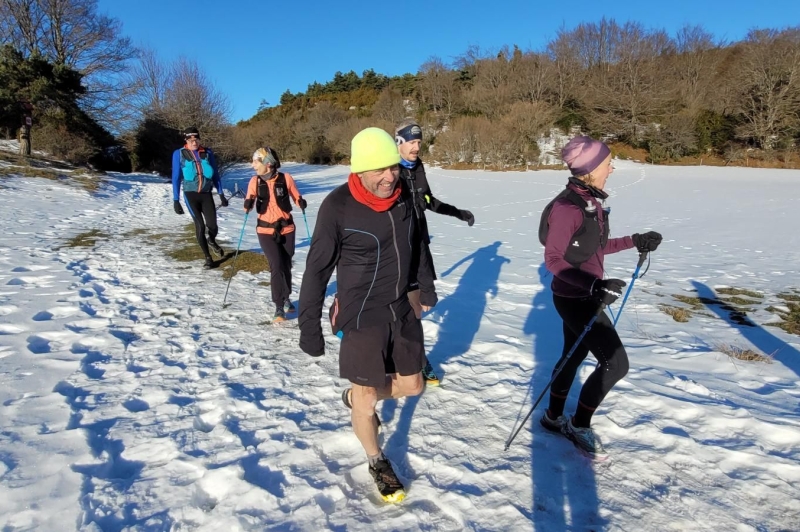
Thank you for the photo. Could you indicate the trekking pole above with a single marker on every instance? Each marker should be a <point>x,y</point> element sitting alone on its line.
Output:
<point>233,267</point>
<point>642,257</point>
<point>556,373</point>
<point>307,231</point>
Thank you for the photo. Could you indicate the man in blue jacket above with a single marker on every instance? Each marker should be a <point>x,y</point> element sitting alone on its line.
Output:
<point>196,167</point>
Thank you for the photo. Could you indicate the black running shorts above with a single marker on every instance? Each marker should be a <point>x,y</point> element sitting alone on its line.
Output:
<point>368,354</point>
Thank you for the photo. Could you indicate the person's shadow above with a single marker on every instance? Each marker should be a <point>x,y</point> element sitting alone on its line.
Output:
<point>461,314</point>
<point>564,485</point>
<point>761,338</point>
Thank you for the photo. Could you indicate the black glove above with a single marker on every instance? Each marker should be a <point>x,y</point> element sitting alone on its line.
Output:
<point>466,216</point>
<point>302,203</point>
<point>248,204</point>
<point>224,200</point>
<point>419,198</point>
<point>608,290</point>
<point>646,242</point>
<point>177,206</point>
<point>312,343</point>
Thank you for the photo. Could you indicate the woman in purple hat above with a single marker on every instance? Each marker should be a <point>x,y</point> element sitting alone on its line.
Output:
<point>574,230</point>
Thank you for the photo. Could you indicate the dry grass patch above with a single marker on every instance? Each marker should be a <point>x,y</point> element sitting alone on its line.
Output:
<point>736,314</point>
<point>52,170</point>
<point>695,302</point>
<point>733,291</point>
<point>248,261</point>
<point>678,314</point>
<point>736,300</point>
<point>183,247</point>
<point>791,319</point>
<point>87,239</point>
<point>742,353</point>
<point>133,233</point>
<point>786,296</point>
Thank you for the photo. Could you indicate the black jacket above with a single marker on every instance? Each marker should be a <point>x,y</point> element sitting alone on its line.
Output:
<point>417,182</point>
<point>375,254</point>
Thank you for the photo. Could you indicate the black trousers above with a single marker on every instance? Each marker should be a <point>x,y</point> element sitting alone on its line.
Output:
<point>279,255</point>
<point>603,342</point>
<point>204,213</point>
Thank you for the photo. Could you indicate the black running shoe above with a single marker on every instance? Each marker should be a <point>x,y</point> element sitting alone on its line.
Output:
<point>290,308</point>
<point>216,248</point>
<point>280,315</point>
<point>389,486</point>
<point>429,375</point>
<point>209,263</point>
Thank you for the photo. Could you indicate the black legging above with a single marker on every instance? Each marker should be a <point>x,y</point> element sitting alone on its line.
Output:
<point>201,206</point>
<point>604,343</point>
<point>279,256</point>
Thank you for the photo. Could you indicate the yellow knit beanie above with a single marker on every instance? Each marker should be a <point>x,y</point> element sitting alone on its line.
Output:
<point>372,149</point>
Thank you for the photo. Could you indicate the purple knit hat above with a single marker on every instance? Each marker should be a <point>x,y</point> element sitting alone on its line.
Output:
<point>584,154</point>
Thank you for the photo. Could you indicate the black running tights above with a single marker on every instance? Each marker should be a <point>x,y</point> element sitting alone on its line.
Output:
<point>603,342</point>
<point>204,213</point>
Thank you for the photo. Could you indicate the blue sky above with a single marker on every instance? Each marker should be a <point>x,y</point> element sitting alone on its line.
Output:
<point>255,50</point>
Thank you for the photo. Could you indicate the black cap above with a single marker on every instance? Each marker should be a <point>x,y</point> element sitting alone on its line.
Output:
<point>191,131</point>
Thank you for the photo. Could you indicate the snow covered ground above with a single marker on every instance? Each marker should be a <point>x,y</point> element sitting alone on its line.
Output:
<point>132,401</point>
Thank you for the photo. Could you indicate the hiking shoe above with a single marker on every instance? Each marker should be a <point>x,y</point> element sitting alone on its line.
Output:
<point>585,440</point>
<point>279,315</point>
<point>553,425</point>
<point>216,248</point>
<point>348,404</point>
<point>290,308</point>
<point>209,263</point>
<point>387,482</point>
<point>429,376</point>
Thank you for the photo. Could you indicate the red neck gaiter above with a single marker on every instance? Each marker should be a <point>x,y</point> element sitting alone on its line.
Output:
<point>362,195</point>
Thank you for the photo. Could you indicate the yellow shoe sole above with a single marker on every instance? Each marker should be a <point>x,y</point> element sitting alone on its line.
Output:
<point>395,497</point>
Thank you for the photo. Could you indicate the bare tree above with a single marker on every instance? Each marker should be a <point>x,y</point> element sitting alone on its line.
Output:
<point>563,52</point>
<point>21,23</point>
<point>491,92</point>
<point>770,85</point>
<point>73,33</point>
<point>628,93</point>
<point>438,86</point>
<point>390,106</point>
<point>531,77</point>
<point>694,64</point>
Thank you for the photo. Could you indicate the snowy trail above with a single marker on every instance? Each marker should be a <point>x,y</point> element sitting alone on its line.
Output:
<point>132,401</point>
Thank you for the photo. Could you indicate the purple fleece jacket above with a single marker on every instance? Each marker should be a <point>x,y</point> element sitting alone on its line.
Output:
<point>566,218</point>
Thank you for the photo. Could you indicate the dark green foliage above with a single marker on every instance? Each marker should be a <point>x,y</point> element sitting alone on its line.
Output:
<point>319,152</point>
<point>572,115</point>
<point>36,81</point>
<point>714,130</point>
<point>154,144</point>
<point>61,127</point>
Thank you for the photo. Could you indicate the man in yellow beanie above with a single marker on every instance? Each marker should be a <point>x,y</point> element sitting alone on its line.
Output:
<point>367,231</point>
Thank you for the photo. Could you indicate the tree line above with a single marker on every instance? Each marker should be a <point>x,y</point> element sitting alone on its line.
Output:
<point>98,98</point>
<point>688,94</point>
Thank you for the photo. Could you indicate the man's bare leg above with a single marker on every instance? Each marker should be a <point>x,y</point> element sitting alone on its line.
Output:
<point>365,399</point>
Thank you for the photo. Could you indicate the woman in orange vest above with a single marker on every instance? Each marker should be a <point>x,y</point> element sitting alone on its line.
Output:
<point>269,192</point>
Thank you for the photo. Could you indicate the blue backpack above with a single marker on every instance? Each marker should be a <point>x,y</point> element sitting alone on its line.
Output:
<point>192,180</point>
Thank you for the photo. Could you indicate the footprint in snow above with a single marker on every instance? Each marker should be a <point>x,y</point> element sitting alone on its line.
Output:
<point>10,329</point>
<point>5,310</point>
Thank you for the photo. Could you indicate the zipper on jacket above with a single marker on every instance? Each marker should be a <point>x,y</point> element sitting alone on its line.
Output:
<point>397,260</point>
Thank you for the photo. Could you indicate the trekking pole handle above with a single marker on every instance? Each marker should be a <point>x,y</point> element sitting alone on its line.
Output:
<point>642,258</point>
